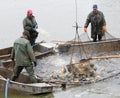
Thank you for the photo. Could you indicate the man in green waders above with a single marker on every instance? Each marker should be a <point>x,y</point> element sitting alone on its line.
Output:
<point>24,57</point>
<point>98,24</point>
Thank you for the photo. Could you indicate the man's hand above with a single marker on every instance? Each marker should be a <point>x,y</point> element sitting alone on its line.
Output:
<point>104,28</point>
<point>85,29</point>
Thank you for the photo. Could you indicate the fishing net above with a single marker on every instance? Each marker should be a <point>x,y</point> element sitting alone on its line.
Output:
<point>84,37</point>
<point>108,36</point>
<point>53,68</point>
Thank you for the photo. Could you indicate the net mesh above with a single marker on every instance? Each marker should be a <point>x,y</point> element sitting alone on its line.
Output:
<point>108,36</point>
<point>84,37</point>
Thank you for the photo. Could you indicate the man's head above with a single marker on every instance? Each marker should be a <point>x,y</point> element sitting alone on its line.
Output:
<point>95,8</point>
<point>26,34</point>
<point>29,13</point>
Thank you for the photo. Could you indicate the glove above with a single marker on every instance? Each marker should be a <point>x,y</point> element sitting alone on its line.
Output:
<point>33,30</point>
<point>36,27</point>
<point>85,29</point>
<point>35,64</point>
<point>104,28</point>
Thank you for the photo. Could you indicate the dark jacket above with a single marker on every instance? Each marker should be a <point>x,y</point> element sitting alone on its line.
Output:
<point>29,23</point>
<point>97,21</point>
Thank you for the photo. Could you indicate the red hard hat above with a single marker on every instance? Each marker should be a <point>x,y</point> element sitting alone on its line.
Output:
<point>29,12</point>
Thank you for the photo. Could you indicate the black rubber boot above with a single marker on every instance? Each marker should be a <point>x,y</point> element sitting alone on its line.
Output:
<point>99,37</point>
<point>94,39</point>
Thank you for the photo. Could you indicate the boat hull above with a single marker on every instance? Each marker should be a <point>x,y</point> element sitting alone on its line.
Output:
<point>39,50</point>
<point>34,88</point>
<point>91,47</point>
<point>108,47</point>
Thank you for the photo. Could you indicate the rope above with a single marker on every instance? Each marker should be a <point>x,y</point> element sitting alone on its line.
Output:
<point>76,9</point>
<point>83,48</point>
<point>72,50</point>
<point>88,36</point>
<point>77,37</point>
<point>6,88</point>
<point>109,35</point>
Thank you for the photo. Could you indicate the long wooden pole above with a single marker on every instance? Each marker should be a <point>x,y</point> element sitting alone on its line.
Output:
<point>103,57</point>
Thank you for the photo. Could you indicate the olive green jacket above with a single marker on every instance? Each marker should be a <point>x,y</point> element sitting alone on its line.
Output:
<point>22,52</point>
<point>97,20</point>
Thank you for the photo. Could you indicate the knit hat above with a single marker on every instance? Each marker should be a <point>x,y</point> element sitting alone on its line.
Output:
<point>29,12</point>
<point>25,32</point>
<point>95,6</point>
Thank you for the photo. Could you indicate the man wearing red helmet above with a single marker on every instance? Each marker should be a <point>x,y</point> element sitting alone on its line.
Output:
<point>30,24</point>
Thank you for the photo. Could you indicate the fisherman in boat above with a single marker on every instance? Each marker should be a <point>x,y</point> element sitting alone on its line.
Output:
<point>22,54</point>
<point>30,24</point>
<point>98,24</point>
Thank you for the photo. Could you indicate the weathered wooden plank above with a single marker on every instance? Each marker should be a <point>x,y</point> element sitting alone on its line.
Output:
<point>103,57</point>
<point>34,88</point>
<point>91,47</point>
<point>7,56</point>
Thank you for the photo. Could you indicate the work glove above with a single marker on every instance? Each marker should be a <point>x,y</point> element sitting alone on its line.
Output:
<point>104,28</point>
<point>35,64</point>
<point>85,29</point>
<point>35,27</point>
<point>33,30</point>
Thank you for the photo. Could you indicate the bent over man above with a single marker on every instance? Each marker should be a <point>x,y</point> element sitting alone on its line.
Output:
<point>98,24</point>
<point>23,55</point>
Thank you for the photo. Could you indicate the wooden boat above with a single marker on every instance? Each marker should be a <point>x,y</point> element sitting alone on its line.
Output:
<point>69,47</point>
<point>90,51</point>
<point>48,86</point>
<point>39,50</point>
<point>22,84</point>
<point>33,88</point>
<point>101,48</point>
<point>108,46</point>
